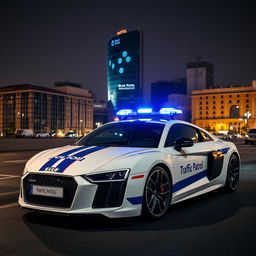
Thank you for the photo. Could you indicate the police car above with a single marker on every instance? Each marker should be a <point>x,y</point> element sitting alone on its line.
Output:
<point>136,166</point>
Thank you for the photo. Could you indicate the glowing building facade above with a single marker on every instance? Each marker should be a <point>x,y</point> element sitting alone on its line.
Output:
<point>124,70</point>
<point>225,109</point>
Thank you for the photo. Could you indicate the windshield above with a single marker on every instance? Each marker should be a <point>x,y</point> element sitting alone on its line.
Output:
<point>125,134</point>
<point>252,131</point>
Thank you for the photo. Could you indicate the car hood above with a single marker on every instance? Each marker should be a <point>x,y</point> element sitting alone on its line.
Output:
<point>78,160</point>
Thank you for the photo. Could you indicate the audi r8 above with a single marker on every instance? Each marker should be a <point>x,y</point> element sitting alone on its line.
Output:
<point>132,167</point>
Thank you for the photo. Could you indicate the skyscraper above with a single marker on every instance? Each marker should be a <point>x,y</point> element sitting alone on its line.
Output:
<point>124,70</point>
<point>200,76</point>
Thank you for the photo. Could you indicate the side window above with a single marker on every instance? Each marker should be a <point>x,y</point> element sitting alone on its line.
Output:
<point>205,136</point>
<point>182,130</point>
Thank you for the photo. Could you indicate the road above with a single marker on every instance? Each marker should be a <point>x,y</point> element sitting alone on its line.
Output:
<point>212,224</point>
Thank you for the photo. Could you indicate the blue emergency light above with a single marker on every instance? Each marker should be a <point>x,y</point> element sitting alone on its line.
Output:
<point>147,113</point>
<point>168,111</point>
<point>124,112</point>
<point>144,111</point>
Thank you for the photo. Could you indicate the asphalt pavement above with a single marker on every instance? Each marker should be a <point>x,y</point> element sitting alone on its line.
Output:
<point>213,224</point>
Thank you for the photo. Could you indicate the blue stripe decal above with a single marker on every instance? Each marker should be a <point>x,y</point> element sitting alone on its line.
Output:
<point>135,200</point>
<point>223,150</point>
<point>188,181</point>
<point>53,160</point>
<point>67,162</point>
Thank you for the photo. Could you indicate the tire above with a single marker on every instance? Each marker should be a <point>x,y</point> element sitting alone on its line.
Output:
<point>246,142</point>
<point>232,179</point>
<point>157,193</point>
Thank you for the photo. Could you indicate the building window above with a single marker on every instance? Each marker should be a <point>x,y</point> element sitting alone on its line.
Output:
<point>206,112</point>
<point>24,111</point>
<point>206,97</point>
<point>222,102</point>
<point>221,107</point>
<point>247,101</point>
<point>222,96</point>
<point>206,102</point>
<point>200,112</point>
<point>247,106</point>
<point>230,96</point>
<point>237,95</point>
<point>200,108</point>
<point>230,101</point>
<point>60,121</point>
<point>207,107</point>
<point>213,97</point>
<point>37,112</point>
<point>234,112</point>
<point>247,95</point>
<point>213,102</point>
<point>213,112</point>
<point>54,125</point>
<point>200,102</point>
<point>238,101</point>
<point>200,97</point>
<point>222,112</point>
<point>9,114</point>
<point>214,107</point>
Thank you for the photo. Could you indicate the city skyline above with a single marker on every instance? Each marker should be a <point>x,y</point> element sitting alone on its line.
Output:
<point>44,41</point>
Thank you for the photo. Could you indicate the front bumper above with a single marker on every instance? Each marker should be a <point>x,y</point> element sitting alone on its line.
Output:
<point>83,199</point>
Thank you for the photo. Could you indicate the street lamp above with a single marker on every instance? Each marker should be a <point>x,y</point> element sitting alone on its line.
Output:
<point>247,115</point>
<point>81,128</point>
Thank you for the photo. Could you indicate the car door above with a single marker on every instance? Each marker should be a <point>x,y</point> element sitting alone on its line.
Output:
<point>190,163</point>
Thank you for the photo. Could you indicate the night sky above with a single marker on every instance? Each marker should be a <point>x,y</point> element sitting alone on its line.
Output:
<point>46,41</point>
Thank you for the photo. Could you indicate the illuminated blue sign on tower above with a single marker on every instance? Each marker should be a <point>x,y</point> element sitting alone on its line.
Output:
<point>124,70</point>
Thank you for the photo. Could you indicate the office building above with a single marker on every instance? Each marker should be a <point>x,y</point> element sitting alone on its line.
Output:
<point>200,75</point>
<point>124,70</point>
<point>64,107</point>
<point>225,109</point>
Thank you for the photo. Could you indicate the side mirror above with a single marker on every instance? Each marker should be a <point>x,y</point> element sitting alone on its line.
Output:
<point>183,142</point>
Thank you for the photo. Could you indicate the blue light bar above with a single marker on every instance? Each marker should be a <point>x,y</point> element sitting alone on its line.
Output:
<point>144,110</point>
<point>124,112</point>
<point>168,111</point>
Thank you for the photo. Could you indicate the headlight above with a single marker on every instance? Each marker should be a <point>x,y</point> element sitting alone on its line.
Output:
<point>108,176</point>
<point>246,136</point>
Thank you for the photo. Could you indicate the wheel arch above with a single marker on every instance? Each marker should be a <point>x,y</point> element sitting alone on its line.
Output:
<point>166,168</point>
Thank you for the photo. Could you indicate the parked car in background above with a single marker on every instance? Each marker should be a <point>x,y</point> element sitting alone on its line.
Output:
<point>232,135</point>
<point>221,135</point>
<point>42,134</point>
<point>52,134</point>
<point>250,136</point>
<point>24,133</point>
<point>71,134</point>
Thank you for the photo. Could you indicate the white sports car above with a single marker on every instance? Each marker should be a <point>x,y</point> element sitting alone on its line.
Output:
<point>128,168</point>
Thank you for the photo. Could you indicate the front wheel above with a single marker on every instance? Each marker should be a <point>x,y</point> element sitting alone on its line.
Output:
<point>157,193</point>
<point>232,173</point>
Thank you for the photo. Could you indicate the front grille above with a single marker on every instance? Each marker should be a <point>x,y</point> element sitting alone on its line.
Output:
<point>68,184</point>
<point>109,194</point>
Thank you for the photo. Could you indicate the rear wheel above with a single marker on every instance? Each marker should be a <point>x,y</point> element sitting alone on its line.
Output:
<point>157,193</point>
<point>232,173</point>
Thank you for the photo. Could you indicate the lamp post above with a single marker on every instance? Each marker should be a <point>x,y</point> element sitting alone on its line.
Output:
<point>81,127</point>
<point>247,115</point>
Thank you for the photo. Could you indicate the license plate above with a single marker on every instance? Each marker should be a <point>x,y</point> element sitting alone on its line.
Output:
<point>46,191</point>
